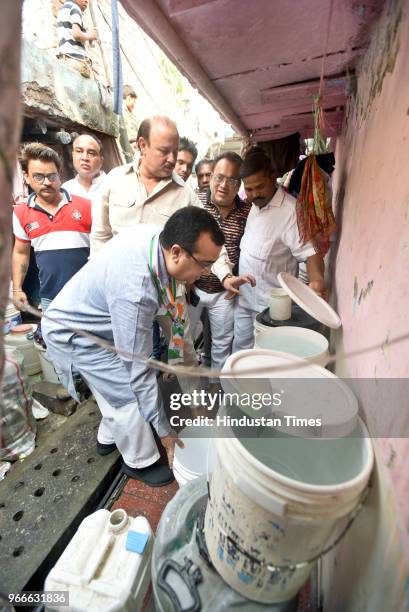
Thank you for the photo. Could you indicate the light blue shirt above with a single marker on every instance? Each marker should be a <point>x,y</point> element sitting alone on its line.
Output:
<point>113,297</point>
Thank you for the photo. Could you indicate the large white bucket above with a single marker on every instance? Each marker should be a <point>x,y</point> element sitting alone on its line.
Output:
<point>195,459</point>
<point>106,566</point>
<point>276,500</point>
<point>298,341</point>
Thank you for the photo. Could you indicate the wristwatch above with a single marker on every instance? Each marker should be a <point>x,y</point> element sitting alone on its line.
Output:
<point>229,275</point>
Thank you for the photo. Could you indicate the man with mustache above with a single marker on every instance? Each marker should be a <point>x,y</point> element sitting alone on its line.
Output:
<point>87,159</point>
<point>56,224</point>
<point>270,244</point>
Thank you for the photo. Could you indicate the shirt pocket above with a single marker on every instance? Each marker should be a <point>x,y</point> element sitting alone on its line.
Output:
<point>122,200</point>
<point>257,247</point>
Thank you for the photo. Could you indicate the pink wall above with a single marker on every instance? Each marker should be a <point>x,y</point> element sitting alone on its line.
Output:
<point>371,292</point>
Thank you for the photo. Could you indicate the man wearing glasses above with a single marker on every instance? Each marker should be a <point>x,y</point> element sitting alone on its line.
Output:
<point>216,295</point>
<point>56,224</point>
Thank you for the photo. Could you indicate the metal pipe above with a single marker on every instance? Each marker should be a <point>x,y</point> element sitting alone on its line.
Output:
<point>151,19</point>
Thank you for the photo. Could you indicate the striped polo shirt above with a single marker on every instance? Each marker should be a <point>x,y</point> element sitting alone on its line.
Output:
<point>232,227</point>
<point>60,240</point>
<point>68,15</point>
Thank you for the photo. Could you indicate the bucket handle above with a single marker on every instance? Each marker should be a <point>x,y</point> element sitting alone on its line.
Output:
<point>190,574</point>
<point>273,568</point>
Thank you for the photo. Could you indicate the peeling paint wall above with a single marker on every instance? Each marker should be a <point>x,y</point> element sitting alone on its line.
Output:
<point>369,570</point>
<point>62,94</point>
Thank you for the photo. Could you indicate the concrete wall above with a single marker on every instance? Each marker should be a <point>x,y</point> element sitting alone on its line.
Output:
<point>159,85</point>
<point>369,570</point>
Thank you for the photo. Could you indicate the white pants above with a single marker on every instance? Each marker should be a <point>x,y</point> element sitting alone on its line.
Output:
<point>243,328</point>
<point>131,433</point>
<point>220,313</point>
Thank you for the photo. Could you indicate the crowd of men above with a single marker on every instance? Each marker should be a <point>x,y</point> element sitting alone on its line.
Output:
<point>138,250</point>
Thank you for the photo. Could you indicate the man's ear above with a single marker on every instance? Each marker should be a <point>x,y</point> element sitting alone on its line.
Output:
<point>176,252</point>
<point>26,179</point>
<point>142,144</point>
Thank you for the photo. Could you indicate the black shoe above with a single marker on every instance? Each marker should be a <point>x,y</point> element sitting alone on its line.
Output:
<point>105,449</point>
<point>155,475</point>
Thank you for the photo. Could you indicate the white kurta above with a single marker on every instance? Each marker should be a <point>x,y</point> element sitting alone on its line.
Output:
<point>271,244</point>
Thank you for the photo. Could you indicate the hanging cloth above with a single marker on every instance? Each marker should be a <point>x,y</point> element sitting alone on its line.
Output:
<point>315,218</point>
<point>174,306</point>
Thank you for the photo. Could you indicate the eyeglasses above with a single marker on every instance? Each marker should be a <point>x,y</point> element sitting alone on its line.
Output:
<point>40,178</point>
<point>231,182</point>
<point>205,265</point>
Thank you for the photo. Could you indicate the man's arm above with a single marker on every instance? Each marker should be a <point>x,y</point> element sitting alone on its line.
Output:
<point>80,36</point>
<point>101,230</point>
<point>315,270</point>
<point>20,263</point>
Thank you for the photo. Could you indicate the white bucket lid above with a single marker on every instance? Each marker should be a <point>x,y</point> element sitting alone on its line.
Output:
<point>309,301</point>
<point>332,400</point>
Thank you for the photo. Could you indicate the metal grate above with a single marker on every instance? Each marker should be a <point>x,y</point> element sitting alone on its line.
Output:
<point>44,499</point>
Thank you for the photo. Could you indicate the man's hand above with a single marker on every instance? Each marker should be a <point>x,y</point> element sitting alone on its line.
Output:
<point>232,284</point>
<point>319,287</point>
<point>92,34</point>
<point>169,442</point>
<point>18,298</point>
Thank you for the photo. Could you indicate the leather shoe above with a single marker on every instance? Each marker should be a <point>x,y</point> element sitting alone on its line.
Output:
<point>105,449</point>
<point>155,475</point>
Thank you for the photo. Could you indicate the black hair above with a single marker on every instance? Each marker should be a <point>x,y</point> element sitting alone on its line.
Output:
<point>256,162</point>
<point>37,150</point>
<point>202,162</point>
<point>187,145</point>
<point>186,225</point>
<point>232,157</point>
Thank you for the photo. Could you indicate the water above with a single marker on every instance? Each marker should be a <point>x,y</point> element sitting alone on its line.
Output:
<point>290,344</point>
<point>315,462</point>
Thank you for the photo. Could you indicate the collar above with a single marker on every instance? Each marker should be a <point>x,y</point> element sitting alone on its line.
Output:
<point>96,179</point>
<point>134,167</point>
<point>237,202</point>
<point>276,201</point>
<point>32,199</point>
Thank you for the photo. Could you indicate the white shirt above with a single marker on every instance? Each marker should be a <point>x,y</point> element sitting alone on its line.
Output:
<point>270,244</point>
<point>74,186</point>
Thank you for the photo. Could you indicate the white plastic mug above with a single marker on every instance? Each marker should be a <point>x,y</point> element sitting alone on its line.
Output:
<point>279,305</point>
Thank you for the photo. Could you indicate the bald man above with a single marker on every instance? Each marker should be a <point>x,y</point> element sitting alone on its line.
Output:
<point>146,190</point>
<point>87,159</point>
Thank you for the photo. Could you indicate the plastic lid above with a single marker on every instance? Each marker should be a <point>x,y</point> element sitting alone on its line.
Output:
<point>309,301</point>
<point>21,329</point>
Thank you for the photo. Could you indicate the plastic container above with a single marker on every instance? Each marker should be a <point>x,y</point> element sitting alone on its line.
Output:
<point>279,304</point>
<point>196,459</point>
<point>21,337</point>
<point>47,367</point>
<point>97,569</point>
<point>12,317</point>
<point>305,343</point>
<point>280,497</point>
<point>18,426</point>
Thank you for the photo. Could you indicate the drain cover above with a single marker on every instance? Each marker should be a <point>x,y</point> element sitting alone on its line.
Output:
<point>43,499</point>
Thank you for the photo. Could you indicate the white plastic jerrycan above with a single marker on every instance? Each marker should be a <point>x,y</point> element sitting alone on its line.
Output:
<point>106,566</point>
